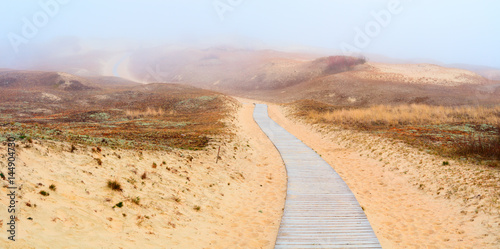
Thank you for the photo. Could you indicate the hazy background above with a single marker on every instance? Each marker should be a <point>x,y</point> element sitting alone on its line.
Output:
<point>447,32</point>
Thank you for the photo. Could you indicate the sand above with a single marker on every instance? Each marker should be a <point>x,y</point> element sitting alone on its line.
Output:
<point>240,199</point>
<point>417,74</point>
<point>410,199</point>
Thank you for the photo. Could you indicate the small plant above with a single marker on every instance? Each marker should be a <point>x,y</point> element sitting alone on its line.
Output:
<point>446,163</point>
<point>73,148</point>
<point>44,193</point>
<point>3,176</point>
<point>52,187</point>
<point>176,199</point>
<point>131,180</point>
<point>154,165</point>
<point>119,204</point>
<point>114,185</point>
<point>99,161</point>
<point>197,208</point>
<point>136,200</point>
<point>144,176</point>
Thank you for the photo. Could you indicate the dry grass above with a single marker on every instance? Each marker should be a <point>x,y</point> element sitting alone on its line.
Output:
<point>149,112</point>
<point>409,115</point>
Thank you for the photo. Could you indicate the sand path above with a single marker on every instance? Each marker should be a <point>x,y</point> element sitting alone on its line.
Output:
<point>320,210</point>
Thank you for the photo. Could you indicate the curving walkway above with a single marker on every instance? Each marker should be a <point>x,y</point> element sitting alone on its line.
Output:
<point>320,210</point>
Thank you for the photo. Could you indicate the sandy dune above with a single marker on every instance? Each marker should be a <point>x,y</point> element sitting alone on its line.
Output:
<point>417,74</point>
<point>240,198</point>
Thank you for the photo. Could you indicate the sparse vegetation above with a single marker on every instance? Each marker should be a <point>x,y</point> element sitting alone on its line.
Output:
<point>162,116</point>
<point>114,185</point>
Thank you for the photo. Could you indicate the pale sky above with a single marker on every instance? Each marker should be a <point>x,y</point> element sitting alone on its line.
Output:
<point>447,31</point>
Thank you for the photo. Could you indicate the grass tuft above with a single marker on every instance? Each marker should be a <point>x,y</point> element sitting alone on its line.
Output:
<point>114,185</point>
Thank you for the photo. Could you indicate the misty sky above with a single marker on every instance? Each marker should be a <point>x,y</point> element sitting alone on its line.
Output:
<point>447,31</point>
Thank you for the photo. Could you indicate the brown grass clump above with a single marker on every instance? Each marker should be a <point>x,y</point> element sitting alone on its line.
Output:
<point>114,185</point>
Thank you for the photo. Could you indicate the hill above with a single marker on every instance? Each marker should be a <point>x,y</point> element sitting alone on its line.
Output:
<point>70,108</point>
<point>283,77</point>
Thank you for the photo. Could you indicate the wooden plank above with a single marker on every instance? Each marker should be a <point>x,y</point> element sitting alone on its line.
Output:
<point>320,209</point>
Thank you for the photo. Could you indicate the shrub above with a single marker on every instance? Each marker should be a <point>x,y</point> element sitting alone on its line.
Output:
<point>136,200</point>
<point>337,64</point>
<point>52,187</point>
<point>44,193</point>
<point>197,208</point>
<point>480,146</point>
<point>119,204</point>
<point>114,185</point>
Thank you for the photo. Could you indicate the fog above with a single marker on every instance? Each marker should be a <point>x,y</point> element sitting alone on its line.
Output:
<point>49,34</point>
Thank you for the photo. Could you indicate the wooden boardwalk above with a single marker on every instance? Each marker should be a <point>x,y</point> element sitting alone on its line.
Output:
<point>320,210</point>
